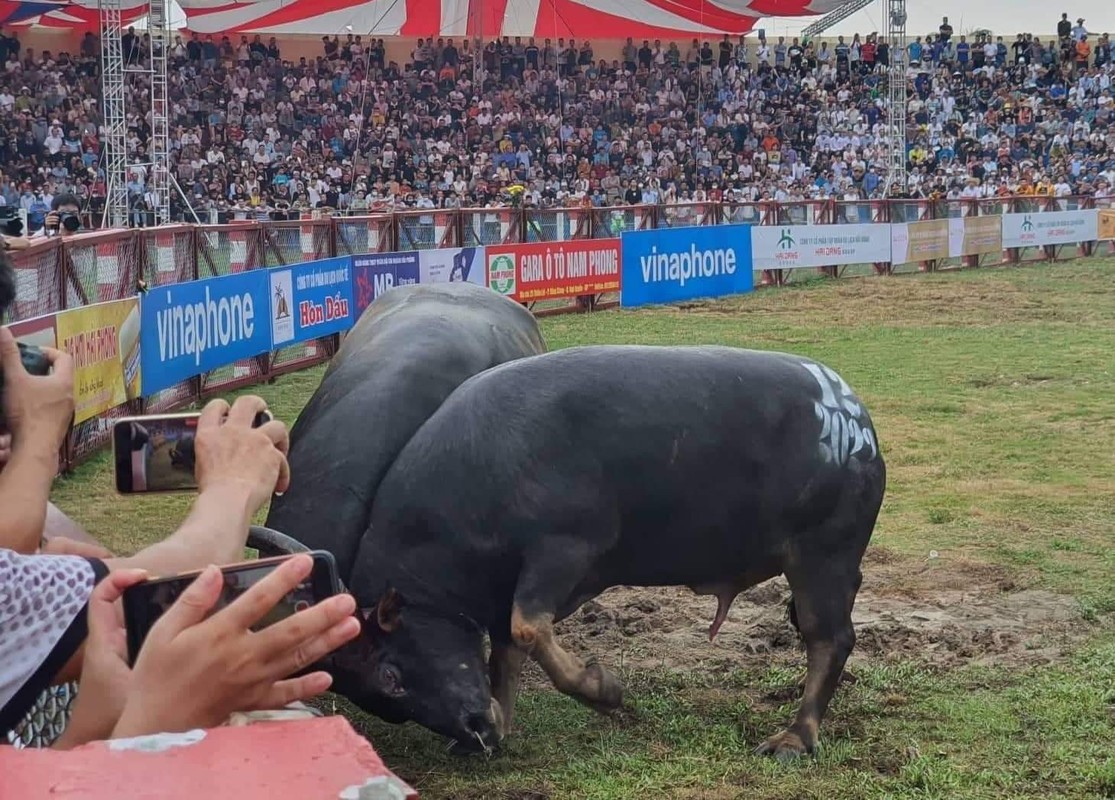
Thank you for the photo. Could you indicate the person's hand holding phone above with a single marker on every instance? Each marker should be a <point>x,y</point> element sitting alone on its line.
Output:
<point>194,671</point>
<point>37,409</point>
<point>229,452</point>
<point>105,676</point>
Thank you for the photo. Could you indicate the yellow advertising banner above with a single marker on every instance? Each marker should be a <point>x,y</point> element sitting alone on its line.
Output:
<point>104,342</point>
<point>929,240</point>
<point>1107,223</point>
<point>982,235</point>
<point>919,241</point>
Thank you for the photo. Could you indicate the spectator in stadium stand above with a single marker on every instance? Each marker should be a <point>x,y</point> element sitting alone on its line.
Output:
<point>945,30</point>
<point>254,136</point>
<point>1064,27</point>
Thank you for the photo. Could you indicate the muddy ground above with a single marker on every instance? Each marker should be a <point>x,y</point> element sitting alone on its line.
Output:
<point>941,612</point>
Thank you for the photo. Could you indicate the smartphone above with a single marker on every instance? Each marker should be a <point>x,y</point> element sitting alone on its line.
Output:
<point>145,602</point>
<point>156,453</point>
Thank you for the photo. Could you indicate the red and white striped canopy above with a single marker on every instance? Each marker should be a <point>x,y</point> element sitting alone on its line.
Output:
<point>64,14</point>
<point>598,19</point>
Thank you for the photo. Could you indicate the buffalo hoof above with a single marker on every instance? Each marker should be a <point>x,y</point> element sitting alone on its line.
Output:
<point>503,721</point>
<point>603,690</point>
<point>785,746</point>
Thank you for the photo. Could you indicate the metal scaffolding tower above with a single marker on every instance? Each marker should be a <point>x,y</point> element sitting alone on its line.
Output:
<point>116,124</point>
<point>159,179</point>
<point>894,31</point>
<point>116,68</point>
<point>838,14</point>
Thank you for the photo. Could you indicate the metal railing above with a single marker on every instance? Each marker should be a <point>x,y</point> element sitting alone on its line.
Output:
<point>61,273</point>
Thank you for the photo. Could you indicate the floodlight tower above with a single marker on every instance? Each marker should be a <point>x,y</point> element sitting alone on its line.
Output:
<point>894,31</point>
<point>116,124</point>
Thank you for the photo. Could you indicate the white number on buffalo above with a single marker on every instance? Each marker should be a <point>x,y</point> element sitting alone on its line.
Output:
<point>844,430</point>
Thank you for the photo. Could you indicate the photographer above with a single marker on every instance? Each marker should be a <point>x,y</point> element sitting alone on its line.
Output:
<point>37,413</point>
<point>23,528</point>
<point>64,218</point>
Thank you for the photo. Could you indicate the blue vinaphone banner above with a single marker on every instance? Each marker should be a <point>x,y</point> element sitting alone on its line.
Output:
<point>668,264</point>
<point>195,327</point>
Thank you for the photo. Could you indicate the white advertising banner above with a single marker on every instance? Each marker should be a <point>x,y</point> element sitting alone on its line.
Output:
<point>452,264</point>
<point>1050,227</point>
<point>794,246</point>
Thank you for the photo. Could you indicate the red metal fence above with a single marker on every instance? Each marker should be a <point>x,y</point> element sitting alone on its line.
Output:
<point>56,274</point>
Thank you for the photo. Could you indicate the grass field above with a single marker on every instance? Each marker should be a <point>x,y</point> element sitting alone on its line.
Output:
<point>993,392</point>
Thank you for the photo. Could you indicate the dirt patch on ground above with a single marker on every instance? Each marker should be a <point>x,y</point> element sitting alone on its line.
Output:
<point>939,612</point>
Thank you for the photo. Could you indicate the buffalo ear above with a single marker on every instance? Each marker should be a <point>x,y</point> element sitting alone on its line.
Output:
<point>367,617</point>
<point>388,610</point>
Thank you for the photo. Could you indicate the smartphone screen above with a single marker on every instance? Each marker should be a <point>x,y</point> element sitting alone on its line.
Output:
<point>156,453</point>
<point>145,602</point>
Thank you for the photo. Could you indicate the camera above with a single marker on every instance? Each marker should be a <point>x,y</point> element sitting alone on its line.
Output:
<point>70,221</point>
<point>10,222</point>
<point>34,361</point>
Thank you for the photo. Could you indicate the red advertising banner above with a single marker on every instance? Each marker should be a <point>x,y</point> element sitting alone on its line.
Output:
<point>551,270</point>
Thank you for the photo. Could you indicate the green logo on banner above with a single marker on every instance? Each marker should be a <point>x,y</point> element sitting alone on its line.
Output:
<point>1027,223</point>
<point>786,241</point>
<point>501,274</point>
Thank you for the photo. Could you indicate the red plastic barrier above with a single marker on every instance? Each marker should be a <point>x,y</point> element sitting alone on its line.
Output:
<point>318,759</point>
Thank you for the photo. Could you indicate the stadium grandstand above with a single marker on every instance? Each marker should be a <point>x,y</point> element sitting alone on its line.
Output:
<point>262,127</point>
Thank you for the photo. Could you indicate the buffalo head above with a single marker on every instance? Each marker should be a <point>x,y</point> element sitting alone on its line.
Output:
<point>415,663</point>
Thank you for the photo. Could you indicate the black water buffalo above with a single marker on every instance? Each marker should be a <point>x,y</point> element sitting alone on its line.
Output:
<point>182,455</point>
<point>410,349</point>
<point>542,482</point>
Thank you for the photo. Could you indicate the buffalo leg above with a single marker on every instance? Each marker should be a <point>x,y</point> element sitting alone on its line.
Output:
<point>823,599</point>
<point>505,666</point>
<point>591,684</point>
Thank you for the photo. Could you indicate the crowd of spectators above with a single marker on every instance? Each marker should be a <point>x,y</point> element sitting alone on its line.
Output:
<point>743,119</point>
